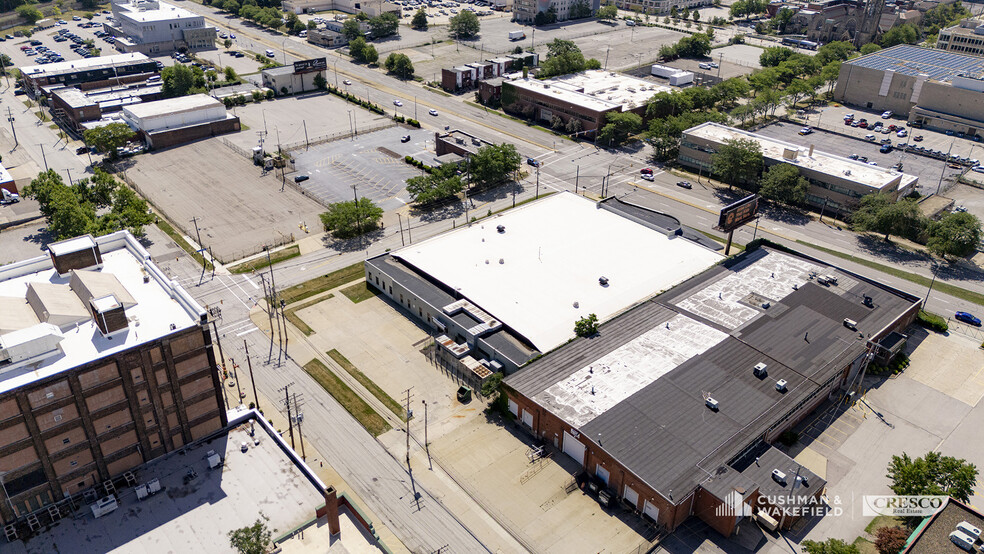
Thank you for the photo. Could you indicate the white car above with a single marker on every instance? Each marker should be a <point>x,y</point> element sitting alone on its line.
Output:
<point>397,103</point>
<point>346,82</point>
<point>978,168</point>
<point>704,65</point>
<point>648,177</point>
<point>870,137</point>
<point>433,112</point>
<point>902,133</point>
<point>886,114</point>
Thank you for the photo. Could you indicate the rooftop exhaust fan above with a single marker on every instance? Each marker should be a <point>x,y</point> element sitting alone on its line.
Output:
<point>603,281</point>
<point>500,228</point>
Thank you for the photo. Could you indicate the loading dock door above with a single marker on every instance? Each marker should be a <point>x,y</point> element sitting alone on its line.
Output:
<point>528,419</point>
<point>602,473</point>
<point>573,448</point>
<point>651,511</point>
<point>513,408</point>
<point>631,496</point>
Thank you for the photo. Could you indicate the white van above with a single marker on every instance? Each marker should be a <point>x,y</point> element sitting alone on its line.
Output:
<point>269,53</point>
<point>302,34</point>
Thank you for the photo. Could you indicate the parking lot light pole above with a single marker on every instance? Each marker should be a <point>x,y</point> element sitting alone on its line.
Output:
<point>334,67</point>
<point>946,160</point>
<point>284,48</point>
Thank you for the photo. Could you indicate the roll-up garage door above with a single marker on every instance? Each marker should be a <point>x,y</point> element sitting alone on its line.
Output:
<point>573,448</point>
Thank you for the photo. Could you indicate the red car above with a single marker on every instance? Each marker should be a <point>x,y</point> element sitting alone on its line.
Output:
<point>863,125</point>
<point>848,121</point>
<point>646,171</point>
<point>892,127</point>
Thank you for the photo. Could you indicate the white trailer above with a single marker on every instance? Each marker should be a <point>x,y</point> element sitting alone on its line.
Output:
<point>663,70</point>
<point>681,78</point>
<point>517,35</point>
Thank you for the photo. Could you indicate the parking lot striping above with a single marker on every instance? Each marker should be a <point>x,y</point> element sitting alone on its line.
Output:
<point>248,332</point>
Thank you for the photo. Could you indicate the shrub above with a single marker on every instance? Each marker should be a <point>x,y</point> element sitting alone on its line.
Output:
<point>413,122</point>
<point>586,326</point>
<point>932,321</point>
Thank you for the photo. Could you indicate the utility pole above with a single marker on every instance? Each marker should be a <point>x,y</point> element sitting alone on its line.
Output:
<point>290,422</point>
<point>426,444</point>
<point>409,415</point>
<point>201,250</point>
<point>537,180</point>
<point>409,236</point>
<point>358,212</point>
<point>218,342</point>
<point>306,141</point>
<point>10,118</point>
<point>269,315</point>
<point>400,219</point>
<point>235,376</point>
<point>211,258</point>
<point>273,305</point>
<point>69,171</point>
<point>577,177</point>
<point>249,364</point>
<point>299,416</point>
<point>46,159</point>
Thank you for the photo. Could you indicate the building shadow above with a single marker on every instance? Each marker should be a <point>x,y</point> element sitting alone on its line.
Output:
<point>354,244</point>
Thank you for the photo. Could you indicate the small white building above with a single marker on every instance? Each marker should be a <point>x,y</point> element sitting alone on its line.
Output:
<point>296,78</point>
<point>179,120</point>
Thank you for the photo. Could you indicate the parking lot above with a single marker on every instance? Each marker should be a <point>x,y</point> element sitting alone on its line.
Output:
<point>12,47</point>
<point>371,162</point>
<point>927,169</point>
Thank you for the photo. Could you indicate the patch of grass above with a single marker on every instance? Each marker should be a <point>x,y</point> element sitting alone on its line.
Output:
<point>368,383</point>
<point>518,120</point>
<point>439,91</point>
<point>176,237</point>
<point>318,285</point>
<point>358,292</point>
<point>945,288</point>
<point>722,240</point>
<point>360,410</point>
<point>53,127</point>
<point>292,316</point>
<point>261,261</point>
<point>865,546</point>
<point>883,521</point>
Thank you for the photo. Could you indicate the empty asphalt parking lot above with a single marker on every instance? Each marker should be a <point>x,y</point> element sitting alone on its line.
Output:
<point>372,162</point>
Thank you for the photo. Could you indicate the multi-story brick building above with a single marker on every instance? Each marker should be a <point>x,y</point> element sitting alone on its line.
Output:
<point>105,363</point>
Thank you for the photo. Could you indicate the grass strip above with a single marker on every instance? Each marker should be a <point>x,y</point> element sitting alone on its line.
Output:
<point>722,240</point>
<point>185,245</point>
<point>318,285</point>
<point>358,292</point>
<point>945,288</point>
<point>261,261</point>
<point>360,410</point>
<point>369,384</point>
<point>292,316</point>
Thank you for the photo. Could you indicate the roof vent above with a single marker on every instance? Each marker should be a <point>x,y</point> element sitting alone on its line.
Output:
<point>711,403</point>
<point>500,228</point>
<point>603,281</point>
<point>868,301</point>
<point>779,477</point>
<point>501,261</point>
<point>781,385</point>
<point>109,314</point>
<point>76,253</point>
<point>760,370</point>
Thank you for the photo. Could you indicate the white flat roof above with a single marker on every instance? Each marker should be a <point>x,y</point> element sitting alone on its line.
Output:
<point>552,254</point>
<point>597,90</point>
<point>172,105</point>
<point>831,164</point>
<point>5,175</point>
<point>165,12</point>
<point>85,63</point>
<point>85,242</point>
<point>159,303</point>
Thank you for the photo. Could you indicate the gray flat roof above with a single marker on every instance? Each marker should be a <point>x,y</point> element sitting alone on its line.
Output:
<point>916,60</point>
<point>661,430</point>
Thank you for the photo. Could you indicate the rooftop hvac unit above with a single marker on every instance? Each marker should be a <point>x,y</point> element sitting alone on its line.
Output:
<point>963,540</point>
<point>603,281</point>
<point>711,403</point>
<point>760,370</point>
<point>851,324</point>
<point>781,385</point>
<point>500,228</point>
<point>778,477</point>
<point>968,529</point>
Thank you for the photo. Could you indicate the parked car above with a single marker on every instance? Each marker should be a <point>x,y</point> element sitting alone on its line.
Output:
<point>967,318</point>
<point>646,171</point>
<point>346,82</point>
<point>885,148</point>
<point>405,138</point>
<point>886,114</point>
<point>685,184</point>
<point>648,177</point>
<point>917,138</point>
<point>849,116</point>
<point>301,178</point>
<point>863,125</point>
<point>868,137</point>
<point>853,157</point>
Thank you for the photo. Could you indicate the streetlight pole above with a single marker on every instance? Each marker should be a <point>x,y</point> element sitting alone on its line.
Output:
<point>334,67</point>
<point>284,48</point>
<point>935,268</point>
<point>946,160</point>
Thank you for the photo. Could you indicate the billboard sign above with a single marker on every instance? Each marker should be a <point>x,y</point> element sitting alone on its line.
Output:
<point>308,66</point>
<point>738,213</point>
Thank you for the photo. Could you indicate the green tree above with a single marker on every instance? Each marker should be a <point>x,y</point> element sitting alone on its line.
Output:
<point>6,64</point>
<point>695,15</point>
<point>781,20</point>
<point>230,73</point>
<point>419,20</point>
<point>869,48</point>
<point>357,47</point>
<point>877,213</point>
<point>294,24</point>
<point>738,161</point>
<point>312,25</point>
<point>491,386</point>
<point>97,190</point>
<point>442,183</point>
<point>30,13</point>
<point>674,12</point>
<point>618,127</point>
<point>384,25</point>
<point>956,234</point>
<point>891,540</point>
<point>563,58</point>
<point>774,55</point>
<point>839,50</point>
<point>464,25</point>
<point>129,212</point>
<point>177,80</point>
<point>903,34</point>
<point>320,82</point>
<point>108,138</point>
<point>227,43</point>
<point>351,219</point>
<point>369,54</point>
<point>697,45</point>
<point>231,6</point>
<point>830,73</point>
<point>830,546</point>
<point>784,184</point>
<point>399,64</point>
<point>253,539</point>
<point>607,13</point>
<point>493,164</point>
<point>579,10</point>
<point>586,326</point>
<point>351,29</point>
<point>934,474</point>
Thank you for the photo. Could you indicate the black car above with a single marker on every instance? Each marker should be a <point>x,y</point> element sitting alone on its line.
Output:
<point>81,150</point>
<point>301,178</point>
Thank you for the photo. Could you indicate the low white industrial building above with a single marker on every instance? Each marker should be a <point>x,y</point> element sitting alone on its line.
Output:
<point>296,78</point>
<point>178,120</point>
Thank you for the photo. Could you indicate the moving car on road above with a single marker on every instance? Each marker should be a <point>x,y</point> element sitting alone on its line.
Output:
<point>685,184</point>
<point>967,318</point>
